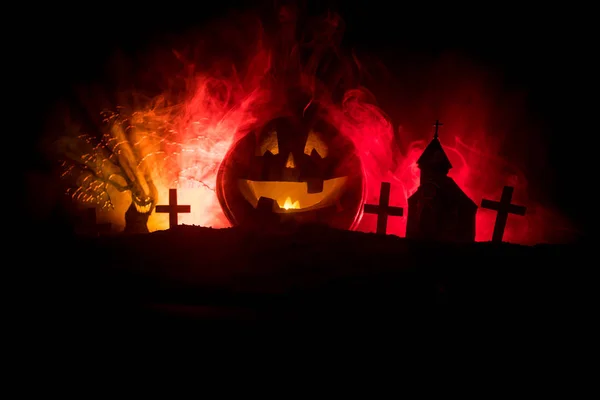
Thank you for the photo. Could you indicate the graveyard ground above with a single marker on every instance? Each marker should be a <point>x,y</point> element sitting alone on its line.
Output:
<point>361,288</point>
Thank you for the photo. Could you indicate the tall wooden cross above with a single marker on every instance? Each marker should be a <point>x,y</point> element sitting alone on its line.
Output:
<point>437,125</point>
<point>383,209</point>
<point>93,226</point>
<point>173,209</point>
<point>503,207</point>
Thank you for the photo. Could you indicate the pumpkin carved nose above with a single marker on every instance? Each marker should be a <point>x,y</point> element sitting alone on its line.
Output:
<point>290,162</point>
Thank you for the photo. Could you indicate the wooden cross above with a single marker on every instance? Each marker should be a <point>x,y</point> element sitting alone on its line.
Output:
<point>437,125</point>
<point>93,225</point>
<point>383,209</point>
<point>504,207</point>
<point>173,209</point>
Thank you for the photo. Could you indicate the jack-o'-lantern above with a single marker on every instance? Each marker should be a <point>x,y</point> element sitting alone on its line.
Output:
<point>292,169</point>
<point>142,205</point>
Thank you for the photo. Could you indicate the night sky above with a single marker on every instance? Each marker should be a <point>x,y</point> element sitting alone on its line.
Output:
<point>544,52</point>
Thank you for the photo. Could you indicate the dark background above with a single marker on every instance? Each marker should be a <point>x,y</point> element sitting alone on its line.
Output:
<point>544,51</point>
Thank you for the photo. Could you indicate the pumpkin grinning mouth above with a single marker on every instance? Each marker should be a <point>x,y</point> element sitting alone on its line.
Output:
<point>143,206</point>
<point>292,196</point>
<point>143,209</point>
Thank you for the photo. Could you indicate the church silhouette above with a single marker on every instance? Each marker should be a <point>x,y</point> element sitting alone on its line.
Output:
<point>439,209</point>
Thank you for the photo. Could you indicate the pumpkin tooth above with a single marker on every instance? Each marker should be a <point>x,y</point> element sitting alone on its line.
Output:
<point>142,209</point>
<point>314,185</point>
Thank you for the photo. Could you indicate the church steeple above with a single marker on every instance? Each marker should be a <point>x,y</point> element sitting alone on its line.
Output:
<point>439,209</point>
<point>434,161</point>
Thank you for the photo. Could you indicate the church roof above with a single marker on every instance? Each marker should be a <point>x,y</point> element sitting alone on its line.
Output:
<point>455,190</point>
<point>434,156</point>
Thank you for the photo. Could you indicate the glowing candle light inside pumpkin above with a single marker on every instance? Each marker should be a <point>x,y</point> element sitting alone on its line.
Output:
<point>288,205</point>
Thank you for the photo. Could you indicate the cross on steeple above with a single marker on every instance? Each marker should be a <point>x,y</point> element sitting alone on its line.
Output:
<point>437,125</point>
<point>173,209</point>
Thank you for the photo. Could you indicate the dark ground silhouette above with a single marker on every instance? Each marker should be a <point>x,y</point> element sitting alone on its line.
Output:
<point>199,281</point>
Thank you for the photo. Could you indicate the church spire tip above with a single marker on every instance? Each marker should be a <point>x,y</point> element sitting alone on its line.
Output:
<point>436,125</point>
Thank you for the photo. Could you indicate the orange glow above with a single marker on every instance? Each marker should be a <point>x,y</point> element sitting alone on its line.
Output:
<point>178,138</point>
<point>270,144</point>
<point>288,205</point>
<point>293,195</point>
<point>176,146</point>
<point>290,162</point>
<point>314,142</point>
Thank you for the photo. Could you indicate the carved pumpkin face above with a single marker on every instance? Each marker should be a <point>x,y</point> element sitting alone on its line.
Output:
<point>292,169</point>
<point>144,196</point>
<point>143,203</point>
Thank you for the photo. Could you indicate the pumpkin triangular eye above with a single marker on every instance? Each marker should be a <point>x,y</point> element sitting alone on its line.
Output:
<point>315,154</point>
<point>314,142</point>
<point>269,144</point>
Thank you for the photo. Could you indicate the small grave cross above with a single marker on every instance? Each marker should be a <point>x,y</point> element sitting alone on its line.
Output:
<point>503,207</point>
<point>173,209</point>
<point>383,209</point>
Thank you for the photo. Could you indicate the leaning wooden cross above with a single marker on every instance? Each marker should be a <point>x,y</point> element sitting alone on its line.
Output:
<point>383,209</point>
<point>503,207</point>
<point>173,209</point>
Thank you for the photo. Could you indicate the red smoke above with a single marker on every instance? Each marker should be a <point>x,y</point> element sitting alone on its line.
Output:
<point>232,76</point>
<point>489,138</point>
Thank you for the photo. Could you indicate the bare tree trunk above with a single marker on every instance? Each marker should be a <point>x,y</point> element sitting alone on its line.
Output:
<point>135,221</point>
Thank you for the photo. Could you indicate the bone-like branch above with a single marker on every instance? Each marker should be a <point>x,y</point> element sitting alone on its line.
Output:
<point>93,170</point>
<point>116,158</point>
<point>85,167</point>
